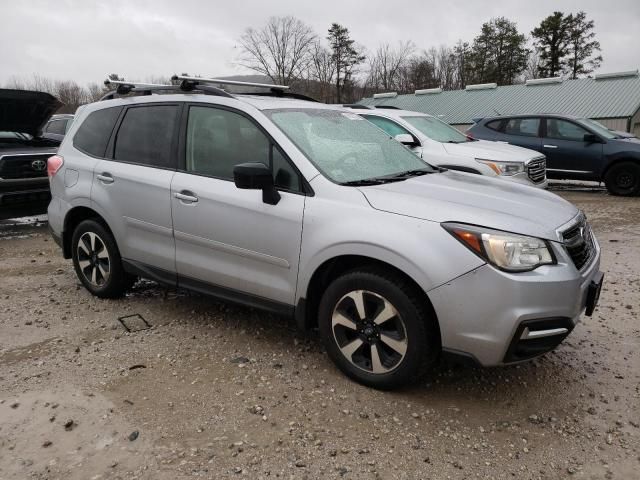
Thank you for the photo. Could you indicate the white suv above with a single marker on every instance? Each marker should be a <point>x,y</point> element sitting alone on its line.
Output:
<point>439,144</point>
<point>308,210</point>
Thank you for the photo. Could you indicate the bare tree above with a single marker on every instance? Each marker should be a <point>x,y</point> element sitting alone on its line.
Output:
<point>533,66</point>
<point>281,49</point>
<point>322,70</point>
<point>387,64</point>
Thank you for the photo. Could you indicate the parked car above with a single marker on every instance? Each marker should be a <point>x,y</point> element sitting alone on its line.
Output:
<point>576,148</point>
<point>57,127</point>
<point>24,187</point>
<point>441,145</point>
<point>308,210</point>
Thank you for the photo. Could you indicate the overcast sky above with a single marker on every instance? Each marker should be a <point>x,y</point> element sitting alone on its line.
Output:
<point>139,39</point>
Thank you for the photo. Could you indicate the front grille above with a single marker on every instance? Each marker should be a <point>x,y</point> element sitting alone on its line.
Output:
<point>537,170</point>
<point>23,166</point>
<point>578,240</point>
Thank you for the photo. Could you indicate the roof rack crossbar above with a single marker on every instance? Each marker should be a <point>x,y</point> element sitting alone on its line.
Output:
<point>357,106</point>
<point>221,81</point>
<point>124,88</point>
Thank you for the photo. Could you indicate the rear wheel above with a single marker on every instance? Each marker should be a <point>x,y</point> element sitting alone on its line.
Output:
<point>97,261</point>
<point>377,329</point>
<point>623,179</point>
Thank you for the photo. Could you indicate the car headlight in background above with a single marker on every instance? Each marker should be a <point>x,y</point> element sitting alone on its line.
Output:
<point>503,168</point>
<point>507,251</point>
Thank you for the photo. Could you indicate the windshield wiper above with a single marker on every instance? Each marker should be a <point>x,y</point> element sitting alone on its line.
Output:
<point>369,181</point>
<point>396,177</point>
<point>412,173</point>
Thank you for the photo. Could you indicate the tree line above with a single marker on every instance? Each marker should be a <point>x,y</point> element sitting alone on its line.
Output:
<point>335,68</point>
<point>338,69</point>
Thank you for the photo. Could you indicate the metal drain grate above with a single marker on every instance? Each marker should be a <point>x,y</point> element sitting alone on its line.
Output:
<point>134,323</point>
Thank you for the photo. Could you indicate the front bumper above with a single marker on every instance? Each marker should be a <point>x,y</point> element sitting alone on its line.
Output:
<point>484,313</point>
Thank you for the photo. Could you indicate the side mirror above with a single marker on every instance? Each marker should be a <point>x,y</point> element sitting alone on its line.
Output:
<point>406,139</point>
<point>591,138</point>
<point>256,176</point>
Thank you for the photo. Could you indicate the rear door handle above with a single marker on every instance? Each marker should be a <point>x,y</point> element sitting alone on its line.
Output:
<point>186,196</point>
<point>550,146</point>
<point>105,177</point>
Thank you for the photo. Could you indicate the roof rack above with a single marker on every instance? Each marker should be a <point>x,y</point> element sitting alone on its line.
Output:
<point>222,81</point>
<point>387,107</point>
<point>189,83</point>
<point>204,85</point>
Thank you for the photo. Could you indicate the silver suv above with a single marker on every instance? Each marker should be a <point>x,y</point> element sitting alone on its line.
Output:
<point>308,210</point>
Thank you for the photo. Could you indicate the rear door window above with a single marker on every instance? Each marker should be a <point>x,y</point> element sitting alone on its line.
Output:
<point>526,127</point>
<point>93,135</point>
<point>146,136</point>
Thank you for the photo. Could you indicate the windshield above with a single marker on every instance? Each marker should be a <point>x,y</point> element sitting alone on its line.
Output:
<point>344,146</point>
<point>15,136</point>
<point>597,127</point>
<point>437,130</point>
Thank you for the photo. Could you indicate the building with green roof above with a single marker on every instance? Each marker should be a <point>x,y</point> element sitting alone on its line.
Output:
<point>613,99</point>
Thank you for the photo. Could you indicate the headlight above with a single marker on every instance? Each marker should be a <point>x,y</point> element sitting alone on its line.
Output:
<point>503,168</point>
<point>507,251</point>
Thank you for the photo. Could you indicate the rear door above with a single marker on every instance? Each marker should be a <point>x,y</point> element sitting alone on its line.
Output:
<point>132,186</point>
<point>521,131</point>
<point>568,155</point>
<point>228,241</point>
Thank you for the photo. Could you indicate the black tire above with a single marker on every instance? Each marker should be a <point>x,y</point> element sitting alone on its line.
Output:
<point>623,179</point>
<point>379,289</point>
<point>111,281</point>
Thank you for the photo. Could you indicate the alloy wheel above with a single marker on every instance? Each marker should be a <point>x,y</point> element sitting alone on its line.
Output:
<point>93,259</point>
<point>369,331</point>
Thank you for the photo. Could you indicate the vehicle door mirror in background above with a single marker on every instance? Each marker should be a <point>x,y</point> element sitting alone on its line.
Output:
<point>592,138</point>
<point>406,139</point>
<point>256,176</point>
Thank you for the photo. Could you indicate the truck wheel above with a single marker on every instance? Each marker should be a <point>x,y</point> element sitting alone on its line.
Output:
<point>623,179</point>
<point>97,261</point>
<point>377,329</point>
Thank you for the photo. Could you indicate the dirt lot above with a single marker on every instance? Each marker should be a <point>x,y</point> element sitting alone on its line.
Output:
<point>214,391</point>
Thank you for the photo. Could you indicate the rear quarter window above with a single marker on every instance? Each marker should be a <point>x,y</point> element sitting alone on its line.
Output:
<point>495,125</point>
<point>93,135</point>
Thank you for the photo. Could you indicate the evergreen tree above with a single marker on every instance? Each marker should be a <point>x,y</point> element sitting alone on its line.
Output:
<point>498,54</point>
<point>582,46</point>
<point>551,39</point>
<point>345,56</point>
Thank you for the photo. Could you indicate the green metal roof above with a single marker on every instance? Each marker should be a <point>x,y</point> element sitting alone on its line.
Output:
<point>610,97</point>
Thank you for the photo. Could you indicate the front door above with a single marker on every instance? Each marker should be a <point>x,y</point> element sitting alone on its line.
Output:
<point>568,155</point>
<point>228,242</point>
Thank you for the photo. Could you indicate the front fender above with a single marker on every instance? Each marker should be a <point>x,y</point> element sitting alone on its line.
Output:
<point>421,249</point>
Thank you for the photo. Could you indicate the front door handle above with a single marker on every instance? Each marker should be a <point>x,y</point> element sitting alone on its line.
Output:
<point>186,196</point>
<point>550,146</point>
<point>105,177</point>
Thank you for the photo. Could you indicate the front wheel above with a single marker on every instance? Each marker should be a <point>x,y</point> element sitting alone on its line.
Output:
<point>623,179</point>
<point>97,261</point>
<point>377,329</point>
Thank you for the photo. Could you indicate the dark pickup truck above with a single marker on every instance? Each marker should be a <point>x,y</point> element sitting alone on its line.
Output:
<point>24,185</point>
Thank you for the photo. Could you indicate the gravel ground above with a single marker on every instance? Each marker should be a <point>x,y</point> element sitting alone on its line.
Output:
<point>217,391</point>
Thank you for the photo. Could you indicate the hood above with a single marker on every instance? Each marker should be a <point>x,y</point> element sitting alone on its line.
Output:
<point>474,199</point>
<point>26,111</point>
<point>628,142</point>
<point>491,151</point>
